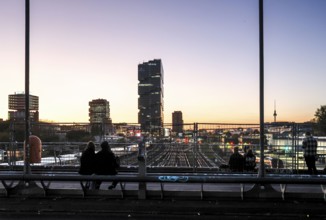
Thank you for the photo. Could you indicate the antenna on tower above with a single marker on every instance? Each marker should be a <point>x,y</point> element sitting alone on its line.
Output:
<point>275,114</point>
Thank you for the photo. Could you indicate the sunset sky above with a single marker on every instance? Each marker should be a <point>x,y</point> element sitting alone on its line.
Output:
<point>82,50</point>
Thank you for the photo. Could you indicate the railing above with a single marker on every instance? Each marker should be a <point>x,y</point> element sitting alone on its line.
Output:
<point>213,156</point>
<point>260,188</point>
<point>198,157</point>
<point>201,145</point>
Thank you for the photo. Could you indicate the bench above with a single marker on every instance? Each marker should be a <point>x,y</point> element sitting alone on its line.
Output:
<point>200,186</point>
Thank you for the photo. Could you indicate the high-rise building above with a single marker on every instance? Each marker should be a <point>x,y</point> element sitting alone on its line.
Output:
<point>99,116</point>
<point>177,122</point>
<point>150,101</point>
<point>16,105</point>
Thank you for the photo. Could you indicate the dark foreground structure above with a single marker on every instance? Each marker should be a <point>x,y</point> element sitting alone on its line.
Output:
<point>157,196</point>
<point>101,208</point>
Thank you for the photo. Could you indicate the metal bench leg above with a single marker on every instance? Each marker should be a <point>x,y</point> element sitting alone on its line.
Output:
<point>83,188</point>
<point>162,190</point>
<point>5,185</point>
<point>283,188</point>
<point>122,185</point>
<point>324,191</point>
<point>241,190</point>
<point>45,187</point>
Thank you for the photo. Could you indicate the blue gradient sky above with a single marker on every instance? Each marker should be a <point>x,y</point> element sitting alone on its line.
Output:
<point>88,49</point>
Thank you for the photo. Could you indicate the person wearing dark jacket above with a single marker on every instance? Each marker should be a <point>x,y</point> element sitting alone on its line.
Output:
<point>309,145</point>
<point>105,164</point>
<point>250,161</point>
<point>236,161</point>
<point>87,162</point>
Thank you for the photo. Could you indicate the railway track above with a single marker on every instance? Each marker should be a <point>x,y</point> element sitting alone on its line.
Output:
<point>177,155</point>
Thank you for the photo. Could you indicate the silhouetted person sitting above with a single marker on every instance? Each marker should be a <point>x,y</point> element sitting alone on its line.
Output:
<point>105,164</point>
<point>249,161</point>
<point>236,161</point>
<point>309,145</point>
<point>87,162</point>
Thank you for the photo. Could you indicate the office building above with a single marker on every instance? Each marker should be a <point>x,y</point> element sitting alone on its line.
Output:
<point>150,101</point>
<point>177,122</point>
<point>99,116</point>
<point>16,105</point>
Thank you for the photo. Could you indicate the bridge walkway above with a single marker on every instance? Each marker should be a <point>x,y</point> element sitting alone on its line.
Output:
<point>167,197</point>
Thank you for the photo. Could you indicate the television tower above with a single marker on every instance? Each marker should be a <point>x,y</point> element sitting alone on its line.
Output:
<point>275,114</point>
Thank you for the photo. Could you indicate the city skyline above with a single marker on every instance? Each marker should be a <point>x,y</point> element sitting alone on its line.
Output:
<point>83,50</point>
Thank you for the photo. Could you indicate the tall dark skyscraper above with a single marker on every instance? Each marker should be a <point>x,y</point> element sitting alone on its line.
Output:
<point>150,101</point>
<point>177,122</point>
